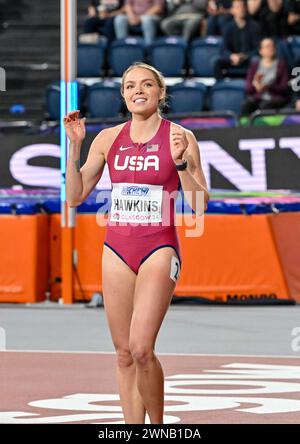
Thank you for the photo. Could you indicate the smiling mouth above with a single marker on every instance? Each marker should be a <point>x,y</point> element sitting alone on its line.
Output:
<point>139,100</point>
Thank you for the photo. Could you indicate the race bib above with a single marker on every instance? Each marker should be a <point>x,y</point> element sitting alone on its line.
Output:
<point>136,203</point>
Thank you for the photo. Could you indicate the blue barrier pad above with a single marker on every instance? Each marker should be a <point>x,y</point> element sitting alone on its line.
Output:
<point>34,201</point>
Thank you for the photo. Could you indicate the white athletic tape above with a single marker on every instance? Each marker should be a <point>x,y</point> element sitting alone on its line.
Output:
<point>175,269</point>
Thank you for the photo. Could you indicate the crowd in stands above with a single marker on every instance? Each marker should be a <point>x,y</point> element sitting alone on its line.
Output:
<point>249,30</point>
<point>188,18</point>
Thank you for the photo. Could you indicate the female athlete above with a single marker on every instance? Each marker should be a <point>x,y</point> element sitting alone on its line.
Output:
<point>148,158</point>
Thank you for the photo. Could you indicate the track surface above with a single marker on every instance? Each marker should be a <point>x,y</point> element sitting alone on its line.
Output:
<point>50,387</point>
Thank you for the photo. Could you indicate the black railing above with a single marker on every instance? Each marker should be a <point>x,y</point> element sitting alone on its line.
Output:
<point>272,112</point>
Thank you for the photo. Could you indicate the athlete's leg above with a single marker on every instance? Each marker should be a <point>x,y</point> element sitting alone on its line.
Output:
<point>118,292</point>
<point>153,293</point>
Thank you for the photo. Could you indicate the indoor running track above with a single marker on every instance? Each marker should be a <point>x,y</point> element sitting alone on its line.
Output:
<point>80,387</point>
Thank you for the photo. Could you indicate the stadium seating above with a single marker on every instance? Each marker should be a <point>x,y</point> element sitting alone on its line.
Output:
<point>168,55</point>
<point>90,59</point>
<point>104,99</point>
<point>227,95</point>
<point>53,99</point>
<point>202,53</point>
<point>124,52</point>
<point>293,50</point>
<point>237,72</point>
<point>188,96</point>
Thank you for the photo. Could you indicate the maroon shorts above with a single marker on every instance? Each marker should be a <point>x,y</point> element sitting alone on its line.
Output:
<point>136,250</point>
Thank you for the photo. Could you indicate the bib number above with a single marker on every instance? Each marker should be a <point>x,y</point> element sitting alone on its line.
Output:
<point>136,203</point>
<point>175,269</point>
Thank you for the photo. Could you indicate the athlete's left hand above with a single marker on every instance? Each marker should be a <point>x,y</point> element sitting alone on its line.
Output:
<point>179,144</point>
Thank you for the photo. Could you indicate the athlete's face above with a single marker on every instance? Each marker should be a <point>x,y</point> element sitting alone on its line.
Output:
<point>141,91</point>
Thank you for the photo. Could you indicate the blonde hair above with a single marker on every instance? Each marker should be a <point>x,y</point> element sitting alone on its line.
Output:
<point>157,75</point>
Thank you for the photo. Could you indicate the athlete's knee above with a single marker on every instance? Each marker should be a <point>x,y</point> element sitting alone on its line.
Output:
<point>142,354</point>
<point>124,357</point>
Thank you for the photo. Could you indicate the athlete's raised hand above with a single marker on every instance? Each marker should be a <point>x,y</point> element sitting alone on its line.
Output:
<point>75,127</point>
<point>179,144</point>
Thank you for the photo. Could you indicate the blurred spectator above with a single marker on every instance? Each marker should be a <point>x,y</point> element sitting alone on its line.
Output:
<point>140,15</point>
<point>185,19</point>
<point>101,17</point>
<point>267,80</point>
<point>271,16</point>
<point>293,18</point>
<point>219,15</point>
<point>241,39</point>
<point>296,101</point>
<point>295,86</point>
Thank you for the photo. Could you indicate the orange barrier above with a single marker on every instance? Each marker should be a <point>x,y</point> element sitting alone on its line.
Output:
<point>286,228</point>
<point>88,243</point>
<point>24,258</point>
<point>238,258</point>
<point>235,259</point>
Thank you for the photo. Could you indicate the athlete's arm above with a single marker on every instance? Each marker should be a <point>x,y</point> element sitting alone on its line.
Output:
<point>81,180</point>
<point>194,174</point>
<point>92,169</point>
<point>192,179</point>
